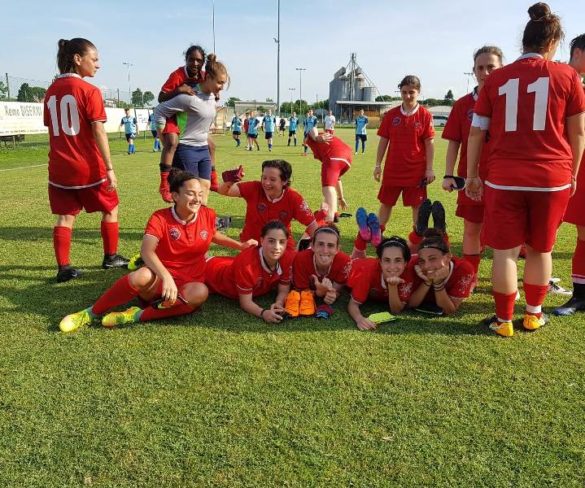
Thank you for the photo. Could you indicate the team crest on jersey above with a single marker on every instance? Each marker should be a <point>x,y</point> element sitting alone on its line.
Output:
<point>347,270</point>
<point>405,289</point>
<point>305,207</point>
<point>417,125</point>
<point>204,234</point>
<point>175,233</point>
<point>261,207</point>
<point>396,121</point>
<point>282,215</point>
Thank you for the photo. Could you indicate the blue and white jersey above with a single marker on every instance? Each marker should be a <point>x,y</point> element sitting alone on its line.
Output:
<point>129,124</point>
<point>292,124</point>
<point>269,123</point>
<point>236,124</point>
<point>310,122</point>
<point>253,124</point>
<point>152,121</point>
<point>360,125</point>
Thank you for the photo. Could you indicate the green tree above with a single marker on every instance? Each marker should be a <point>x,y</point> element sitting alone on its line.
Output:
<point>383,98</point>
<point>232,101</point>
<point>137,98</point>
<point>27,93</point>
<point>3,91</point>
<point>147,97</point>
<point>449,96</point>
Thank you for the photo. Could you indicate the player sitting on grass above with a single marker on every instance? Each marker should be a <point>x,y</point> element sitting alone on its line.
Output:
<point>255,272</point>
<point>175,242</point>
<point>386,279</point>
<point>321,272</point>
<point>442,281</point>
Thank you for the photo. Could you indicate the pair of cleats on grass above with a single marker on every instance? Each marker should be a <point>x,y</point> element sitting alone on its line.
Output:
<point>85,317</point>
<point>302,304</point>
<point>506,329</point>
<point>369,226</point>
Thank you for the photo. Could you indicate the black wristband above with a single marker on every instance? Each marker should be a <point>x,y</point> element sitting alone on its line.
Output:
<point>447,176</point>
<point>262,313</point>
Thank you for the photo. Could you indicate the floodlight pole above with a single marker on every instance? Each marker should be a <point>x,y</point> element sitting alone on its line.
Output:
<point>468,75</point>
<point>129,65</point>
<point>300,70</point>
<point>213,23</point>
<point>277,40</point>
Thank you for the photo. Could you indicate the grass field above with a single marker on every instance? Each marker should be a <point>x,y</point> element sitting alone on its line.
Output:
<point>221,399</point>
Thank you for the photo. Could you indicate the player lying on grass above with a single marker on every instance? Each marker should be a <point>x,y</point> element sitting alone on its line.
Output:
<point>335,156</point>
<point>192,153</point>
<point>81,175</point>
<point>255,272</point>
<point>272,198</point>
<point>175,242</point>
<point>386,279</point>
<point>441,281</point>
<point>318,272</point>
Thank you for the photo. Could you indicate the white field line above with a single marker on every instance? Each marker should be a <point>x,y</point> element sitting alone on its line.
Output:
<point>24,167</point>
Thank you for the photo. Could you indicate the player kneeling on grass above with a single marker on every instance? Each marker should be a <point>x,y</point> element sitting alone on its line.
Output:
<point>321,272</point>
<point>442,281</point>
<point>386,279</point>
<point>175,242</point>
<point>255,272</point>
<point>335,156</point>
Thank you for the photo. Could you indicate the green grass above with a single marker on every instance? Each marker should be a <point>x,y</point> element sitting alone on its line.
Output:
<point>222,399</point>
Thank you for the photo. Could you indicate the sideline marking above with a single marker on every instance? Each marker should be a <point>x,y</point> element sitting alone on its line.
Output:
<point>23,167</point>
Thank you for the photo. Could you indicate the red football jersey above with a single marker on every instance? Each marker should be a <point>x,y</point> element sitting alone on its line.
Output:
<point>459,283</point>
<point>246,273</point>
<point>304,268</point>
<point>334,149</point>
<point>365,281</point>
<point>528,102</point>
<point>70,107</point>
<point>406,155</point>
<point>180,77</point>
<point>182,246</point>
<point>260,210</point>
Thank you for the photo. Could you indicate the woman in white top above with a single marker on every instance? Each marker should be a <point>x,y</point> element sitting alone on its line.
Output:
<point>192,153</point>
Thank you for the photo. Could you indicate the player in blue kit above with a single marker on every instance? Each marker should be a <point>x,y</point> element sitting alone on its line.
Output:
<point>361,123</point>
<point>130,129</point>
<point>269,122</point>
<point>253,124</point>
<point>292,128</point>
<point>152,125</point>
<point>309,122</point>
<point>236,129</point>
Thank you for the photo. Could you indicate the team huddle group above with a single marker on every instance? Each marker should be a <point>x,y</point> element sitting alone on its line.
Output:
<point>514,149</point>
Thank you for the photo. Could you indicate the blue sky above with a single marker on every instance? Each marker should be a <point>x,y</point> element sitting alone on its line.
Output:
<point>434,40</point>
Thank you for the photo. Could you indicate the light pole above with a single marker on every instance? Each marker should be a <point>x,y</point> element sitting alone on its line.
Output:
<point>129,65</point>
<point>277,40</point>
<point>300,70</point>
<point>469,75</point>
<point>213,22</point>
<point>291,90</point>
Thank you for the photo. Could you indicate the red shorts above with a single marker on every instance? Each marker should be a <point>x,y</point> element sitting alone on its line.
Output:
<point>472,213</point>
<point>332,170</point>
<point>171,127</point>
<point>575,213</point>
<point>96,198</point>
<point>513,218</point>
<point>412,196</point>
